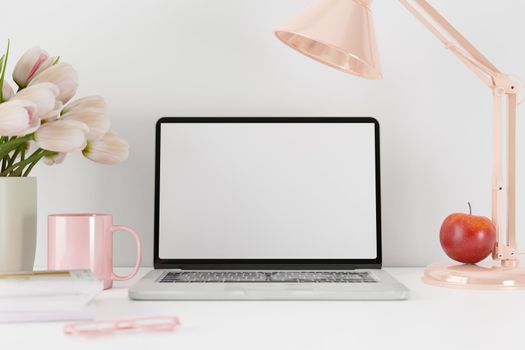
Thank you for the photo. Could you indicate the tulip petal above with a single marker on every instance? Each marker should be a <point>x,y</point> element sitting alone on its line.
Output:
<point>62,75</point>
<point>53,114</point>
<point>93,102</point>
<point>43,95</point>
<point>53,159</point>
<point>62,136</point>
<point>110,149</point>
<point>17,118</point>
<point>28,65</point>
<point>7,91</point>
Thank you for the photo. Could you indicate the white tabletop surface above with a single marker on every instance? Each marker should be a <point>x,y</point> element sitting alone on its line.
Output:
<point>433,318</point>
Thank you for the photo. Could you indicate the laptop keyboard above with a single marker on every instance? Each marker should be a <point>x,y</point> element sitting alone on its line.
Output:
<point>267,277</point>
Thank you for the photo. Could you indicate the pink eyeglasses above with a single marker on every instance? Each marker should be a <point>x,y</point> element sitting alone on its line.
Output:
<point>146,324</point>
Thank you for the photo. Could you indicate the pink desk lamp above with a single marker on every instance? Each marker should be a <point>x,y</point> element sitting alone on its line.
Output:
<point>340,34</point>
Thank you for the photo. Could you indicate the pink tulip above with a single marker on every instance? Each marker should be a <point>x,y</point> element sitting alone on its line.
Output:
<point>56,158</point>
<point>91,102</point>
<point>62,136</point>
<point>32,62</point>
<point>7,91</point>
<point>43,95</point>
<point>62,75</point>
<point>110,149</point>
<point>91,111</point>
<point>53,114</point>
<point>18,118</point>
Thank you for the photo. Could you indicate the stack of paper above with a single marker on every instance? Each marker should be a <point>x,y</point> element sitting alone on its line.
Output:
<point>47,296</point>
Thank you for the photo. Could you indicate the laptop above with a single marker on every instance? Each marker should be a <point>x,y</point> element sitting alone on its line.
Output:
<point>267,208</point>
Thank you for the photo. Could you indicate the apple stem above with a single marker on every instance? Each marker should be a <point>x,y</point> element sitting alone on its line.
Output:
<point>469,208</point>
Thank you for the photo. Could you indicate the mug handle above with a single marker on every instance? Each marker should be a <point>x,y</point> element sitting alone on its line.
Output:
<point>135,236</point>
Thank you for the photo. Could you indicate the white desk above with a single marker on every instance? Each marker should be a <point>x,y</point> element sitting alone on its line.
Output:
<point>433,318</point>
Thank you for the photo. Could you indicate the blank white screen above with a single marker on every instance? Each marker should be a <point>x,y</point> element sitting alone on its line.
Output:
<point>267,191</point>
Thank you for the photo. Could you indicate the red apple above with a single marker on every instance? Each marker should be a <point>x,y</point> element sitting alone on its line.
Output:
<point>467,238</point>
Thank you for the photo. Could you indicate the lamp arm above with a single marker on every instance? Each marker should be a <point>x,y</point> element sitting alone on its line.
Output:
<point>504,180</point>
<point>487,77</point>
<point>462,48</point>
<point>504,129</point>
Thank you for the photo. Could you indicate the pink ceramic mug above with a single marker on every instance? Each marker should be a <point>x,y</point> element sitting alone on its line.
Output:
<point>85,241</point>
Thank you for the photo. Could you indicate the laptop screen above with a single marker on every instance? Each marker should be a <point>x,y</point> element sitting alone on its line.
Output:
<point>267,190</point>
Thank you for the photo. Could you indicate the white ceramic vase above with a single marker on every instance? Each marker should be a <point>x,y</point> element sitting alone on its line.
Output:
<point>18,205</point>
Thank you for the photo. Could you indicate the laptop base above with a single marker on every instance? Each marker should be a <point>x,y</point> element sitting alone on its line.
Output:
<point>385,287</point>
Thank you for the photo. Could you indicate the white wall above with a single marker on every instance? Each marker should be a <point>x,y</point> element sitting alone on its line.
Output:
<point>209,57</point>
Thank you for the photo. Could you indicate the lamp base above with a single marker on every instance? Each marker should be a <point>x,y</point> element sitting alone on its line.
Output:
<point>468,276</point>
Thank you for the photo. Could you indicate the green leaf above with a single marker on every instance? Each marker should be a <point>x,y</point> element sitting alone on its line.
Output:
<point>4,65</point>
<point>1,63</point>
<point>1,69</point>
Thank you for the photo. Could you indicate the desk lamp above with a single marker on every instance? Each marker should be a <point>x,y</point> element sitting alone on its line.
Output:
<point>340,34</point>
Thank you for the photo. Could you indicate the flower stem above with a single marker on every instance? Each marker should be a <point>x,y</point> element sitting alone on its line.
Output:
<point>10,145</point>
<point>4,161</point>
<point>2,75</point>
<point>17,168</point>
<point>28,170</point>
<point>33,163</point>
<point>15,155</point>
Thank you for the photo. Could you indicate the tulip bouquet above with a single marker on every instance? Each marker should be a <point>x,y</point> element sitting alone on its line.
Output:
<point>40,122</point>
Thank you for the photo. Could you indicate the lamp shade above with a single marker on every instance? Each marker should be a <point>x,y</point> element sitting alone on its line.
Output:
<point>339,33</point>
